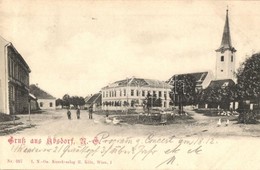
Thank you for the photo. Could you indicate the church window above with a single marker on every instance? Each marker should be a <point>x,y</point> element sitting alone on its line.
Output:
<point>232,58</point>
<point>222,58</point>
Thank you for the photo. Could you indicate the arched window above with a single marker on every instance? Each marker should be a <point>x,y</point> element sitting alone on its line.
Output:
<point>222,58</point>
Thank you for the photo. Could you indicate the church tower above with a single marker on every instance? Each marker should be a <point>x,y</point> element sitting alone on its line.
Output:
<point>225,59</point>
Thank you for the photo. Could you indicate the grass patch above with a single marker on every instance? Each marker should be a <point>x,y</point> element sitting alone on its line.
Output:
<point>154,119</point>
<point>6,117</point>
<point>208,112</point>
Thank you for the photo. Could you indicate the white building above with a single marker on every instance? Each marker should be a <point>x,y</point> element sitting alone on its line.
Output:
<point>45,100</point>
<point>132,93</point>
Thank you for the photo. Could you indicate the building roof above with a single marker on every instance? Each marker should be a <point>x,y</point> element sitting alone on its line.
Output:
<point>139,82</point>
<point>221,83</point>
<point>199,77</point>
<point>39,93</point>
<point>12,49</point>
<point>32,97</point>
<point>96,98</point>
<point>226,38</point>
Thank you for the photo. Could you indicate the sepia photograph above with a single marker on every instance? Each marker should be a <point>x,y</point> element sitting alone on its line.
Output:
<point>96,84</point>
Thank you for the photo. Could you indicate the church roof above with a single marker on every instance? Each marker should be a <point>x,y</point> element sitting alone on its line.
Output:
<point>199,77</point>
<point>39,93</point>
<point>221,83</point>
<point>226,43</point>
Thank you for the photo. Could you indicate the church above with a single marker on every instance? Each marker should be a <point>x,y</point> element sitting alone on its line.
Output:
<point>224,68</point>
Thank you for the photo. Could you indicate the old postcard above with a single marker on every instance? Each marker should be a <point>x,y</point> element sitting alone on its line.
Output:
<point>129,84</point>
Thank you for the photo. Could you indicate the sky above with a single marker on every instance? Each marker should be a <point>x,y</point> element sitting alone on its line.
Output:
<point>77,47</point>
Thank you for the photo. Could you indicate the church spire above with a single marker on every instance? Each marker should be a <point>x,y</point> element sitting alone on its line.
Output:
<point>226,37</point>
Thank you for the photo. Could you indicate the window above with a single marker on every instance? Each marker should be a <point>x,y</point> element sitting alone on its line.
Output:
<point>50,104</point>
<point>41,104</point>
<point>137,93</point>
<point>143,93</point>
<point>124,92</point>
<point>222,58</point>
<point>160,94</point>
<point>232,58</point>
<point>9,66</point>
<point>103,94</point>
<point>132,92</point>
<point>120,92</point>
<point>221,70</point>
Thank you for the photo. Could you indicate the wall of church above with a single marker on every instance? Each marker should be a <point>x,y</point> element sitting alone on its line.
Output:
<point>225,65</point>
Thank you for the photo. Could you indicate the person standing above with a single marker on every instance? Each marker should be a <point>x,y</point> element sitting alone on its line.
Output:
<point>69,114</point>
<point>90,112</point>
<point>78,113</point>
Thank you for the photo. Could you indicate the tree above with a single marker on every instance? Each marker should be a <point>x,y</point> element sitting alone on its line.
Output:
<point>248,79</point>
<point>217,96</point>
<point>184,90</point>
<point>66,100</point>
<point>59,102</point>
<point>248,87</point>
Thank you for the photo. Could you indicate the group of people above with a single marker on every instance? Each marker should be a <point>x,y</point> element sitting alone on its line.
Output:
<point>78,113</point>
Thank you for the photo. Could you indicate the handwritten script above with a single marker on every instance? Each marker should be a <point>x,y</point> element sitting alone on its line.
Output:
<point>165,150</point>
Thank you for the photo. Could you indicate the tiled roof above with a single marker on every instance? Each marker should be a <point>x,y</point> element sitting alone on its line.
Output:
<point>139,82</point>
<point>199,77</point>
<point>221,83</point>
<point>12,49</point>
<point>96,98</point>
<point>31,96</point>
<point>39,93</point>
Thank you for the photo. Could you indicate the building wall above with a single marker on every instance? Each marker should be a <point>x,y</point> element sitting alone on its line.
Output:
<point>34,105</point>
<point>18,86</point>
<point>47,104</point>
<point>225,69</point>
<point>129,94</point>
<point>4,103</point>
<point>207,80</point>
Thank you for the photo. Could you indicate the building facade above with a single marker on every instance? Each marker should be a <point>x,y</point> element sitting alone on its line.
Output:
<point>225,55</point>
<point>44,99</point>
<point>132,93</point>
<point>14,80</point>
